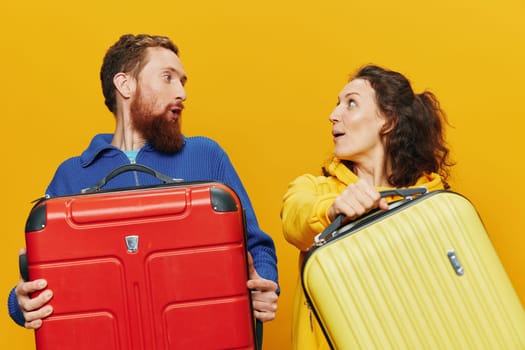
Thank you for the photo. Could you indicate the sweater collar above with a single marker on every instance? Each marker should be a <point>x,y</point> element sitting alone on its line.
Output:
<point>101,143</point>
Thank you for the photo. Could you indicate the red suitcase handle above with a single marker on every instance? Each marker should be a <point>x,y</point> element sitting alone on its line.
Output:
<point>129,167</point>
<point>23,267</point>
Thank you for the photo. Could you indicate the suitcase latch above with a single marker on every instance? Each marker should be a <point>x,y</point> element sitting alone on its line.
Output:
<point>454,261</point>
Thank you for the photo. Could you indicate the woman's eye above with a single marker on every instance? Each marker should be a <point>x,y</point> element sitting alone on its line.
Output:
<point>351,103</point>
<point>167,77</point>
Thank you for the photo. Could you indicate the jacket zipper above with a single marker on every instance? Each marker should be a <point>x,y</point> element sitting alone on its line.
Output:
<point>307,304</point>
<point>135,175</point>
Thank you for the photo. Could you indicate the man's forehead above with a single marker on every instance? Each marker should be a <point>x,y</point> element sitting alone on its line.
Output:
<point>161,54</point>
<point>164,59</point>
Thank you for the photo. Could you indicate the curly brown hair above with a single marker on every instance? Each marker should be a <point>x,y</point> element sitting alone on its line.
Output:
<point>128,55</point>
<point>414,130</point>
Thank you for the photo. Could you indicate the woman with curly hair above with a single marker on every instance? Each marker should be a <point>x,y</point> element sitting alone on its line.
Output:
<point>385,136</point>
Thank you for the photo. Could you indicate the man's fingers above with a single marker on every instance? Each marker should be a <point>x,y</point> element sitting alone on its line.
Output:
<point>265,305</point>
<point>26,288</point>
<point>31,304</point>
<point>33,324</point>
<point>38,314</point>
<point>262,284</point>
<point>252,273</point>
<point>264,316</point>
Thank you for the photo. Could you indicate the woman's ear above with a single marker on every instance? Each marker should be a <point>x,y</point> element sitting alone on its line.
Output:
<point>124,84</point>
<point>388,124</point>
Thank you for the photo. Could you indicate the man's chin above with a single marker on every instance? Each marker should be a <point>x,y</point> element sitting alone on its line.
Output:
<point>168,146</point>
<point>163,134</point>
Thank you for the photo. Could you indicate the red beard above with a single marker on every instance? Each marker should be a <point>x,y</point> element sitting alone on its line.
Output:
<point>159,129</point>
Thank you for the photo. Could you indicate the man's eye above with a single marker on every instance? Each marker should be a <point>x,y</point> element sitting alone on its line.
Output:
<point>351,103</point>
<point>167,77</point>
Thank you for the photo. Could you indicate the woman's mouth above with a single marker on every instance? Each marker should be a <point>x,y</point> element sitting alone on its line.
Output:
<point>337,134</point>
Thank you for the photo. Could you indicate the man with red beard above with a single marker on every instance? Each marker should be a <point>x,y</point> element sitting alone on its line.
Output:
<point>143,84</point>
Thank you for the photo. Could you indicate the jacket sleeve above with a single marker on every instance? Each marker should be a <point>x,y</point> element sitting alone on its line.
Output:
<point>304,213</point>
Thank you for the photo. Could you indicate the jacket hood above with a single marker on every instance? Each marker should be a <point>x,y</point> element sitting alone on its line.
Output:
<point>336,168</point>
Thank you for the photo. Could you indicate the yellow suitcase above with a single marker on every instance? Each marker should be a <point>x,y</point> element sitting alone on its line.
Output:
<point>422,275</point>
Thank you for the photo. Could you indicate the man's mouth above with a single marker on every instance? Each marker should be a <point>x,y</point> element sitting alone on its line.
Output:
<point>176,111</point>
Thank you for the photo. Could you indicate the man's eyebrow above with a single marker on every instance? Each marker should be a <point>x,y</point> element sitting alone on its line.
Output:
<point>183,78</point>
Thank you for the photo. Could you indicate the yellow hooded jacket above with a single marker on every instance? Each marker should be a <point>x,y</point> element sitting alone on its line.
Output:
<point>304,215</point>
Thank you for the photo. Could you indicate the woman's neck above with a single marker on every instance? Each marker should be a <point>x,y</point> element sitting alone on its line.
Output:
<point>372,174</point>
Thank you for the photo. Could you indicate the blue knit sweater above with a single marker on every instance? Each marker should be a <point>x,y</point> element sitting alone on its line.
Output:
<point>200,159</point>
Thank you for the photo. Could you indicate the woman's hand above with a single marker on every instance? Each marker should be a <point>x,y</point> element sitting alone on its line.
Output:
<point>356,200</point>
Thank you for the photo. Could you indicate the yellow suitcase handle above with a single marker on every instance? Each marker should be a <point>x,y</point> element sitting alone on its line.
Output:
<point>406,193</point>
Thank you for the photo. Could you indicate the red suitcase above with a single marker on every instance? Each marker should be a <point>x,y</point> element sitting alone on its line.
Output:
<point>159,267</point>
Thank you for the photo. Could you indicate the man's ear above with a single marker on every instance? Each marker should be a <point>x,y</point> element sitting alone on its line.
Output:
<point>124,84</point>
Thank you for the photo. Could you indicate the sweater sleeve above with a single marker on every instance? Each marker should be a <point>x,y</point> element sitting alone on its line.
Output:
<point>14,310</point>
<point>260,245</point>
<point>304,213</point>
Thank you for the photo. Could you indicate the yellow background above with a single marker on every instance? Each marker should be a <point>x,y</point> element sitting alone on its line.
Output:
<point>263,78</point>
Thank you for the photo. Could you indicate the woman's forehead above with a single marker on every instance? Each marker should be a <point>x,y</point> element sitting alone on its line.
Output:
<point>359,87</point>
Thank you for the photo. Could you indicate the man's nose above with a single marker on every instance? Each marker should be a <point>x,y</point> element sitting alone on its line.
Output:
<point>180,92</point>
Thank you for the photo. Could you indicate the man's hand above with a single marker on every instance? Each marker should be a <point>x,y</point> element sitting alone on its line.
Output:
<point>34,309</point>
<point>264,296</point>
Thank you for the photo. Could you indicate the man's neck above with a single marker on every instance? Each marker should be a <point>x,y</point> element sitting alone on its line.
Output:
<point>126,137</point>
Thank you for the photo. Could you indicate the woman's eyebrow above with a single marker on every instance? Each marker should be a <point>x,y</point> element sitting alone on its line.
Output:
<point>351,93</point>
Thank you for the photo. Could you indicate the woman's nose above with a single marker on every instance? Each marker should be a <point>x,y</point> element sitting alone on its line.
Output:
<point>335,115</point>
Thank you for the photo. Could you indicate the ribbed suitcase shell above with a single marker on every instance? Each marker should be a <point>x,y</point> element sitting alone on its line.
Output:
<point>390,283</point>
<point>184,288</point>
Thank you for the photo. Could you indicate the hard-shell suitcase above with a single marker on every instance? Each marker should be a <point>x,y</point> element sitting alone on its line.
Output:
<point>422,275</point>
<point>161,267</point>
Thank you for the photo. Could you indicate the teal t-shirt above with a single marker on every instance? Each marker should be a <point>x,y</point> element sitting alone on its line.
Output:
<point>132,155</point>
